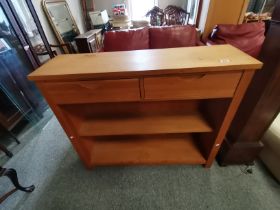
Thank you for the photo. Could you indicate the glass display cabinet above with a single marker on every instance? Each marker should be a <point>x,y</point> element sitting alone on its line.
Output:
<point>23,48</point>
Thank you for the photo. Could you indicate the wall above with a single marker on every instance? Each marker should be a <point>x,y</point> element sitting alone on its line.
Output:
<point>76,11</point>
<point>164,3</point>
<point>107,4</point>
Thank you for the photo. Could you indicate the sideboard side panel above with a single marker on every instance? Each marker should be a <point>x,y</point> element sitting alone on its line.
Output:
<point>239,94</point>
<point>68,128</point>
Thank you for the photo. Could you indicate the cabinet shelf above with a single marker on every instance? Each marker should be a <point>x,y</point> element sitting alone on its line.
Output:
<point>151,149</point>
<point>145,124</point>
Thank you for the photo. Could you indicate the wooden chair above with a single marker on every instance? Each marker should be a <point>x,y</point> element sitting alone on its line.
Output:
<point>41,50</point>
<point>156,16</point>
<point>62,47</point>
<point>176,15</point>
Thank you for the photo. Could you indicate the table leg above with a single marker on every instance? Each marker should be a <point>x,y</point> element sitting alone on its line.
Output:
<point>14,137</point>
<point>6,151</point>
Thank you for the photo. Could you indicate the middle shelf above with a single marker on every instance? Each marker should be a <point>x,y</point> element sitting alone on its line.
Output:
<point>137,118</point>
<point>192,122</point>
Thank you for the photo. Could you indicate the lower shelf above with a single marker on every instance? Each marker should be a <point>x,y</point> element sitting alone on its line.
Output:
<point>159,149</point>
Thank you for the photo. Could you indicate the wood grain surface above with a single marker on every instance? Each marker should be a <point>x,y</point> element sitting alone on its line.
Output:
<point>145,62</point>
<point>149,124</point>
<point>93,91</point>
<point>156,149</point>
<point>167,106</point>
<point>196,86</point>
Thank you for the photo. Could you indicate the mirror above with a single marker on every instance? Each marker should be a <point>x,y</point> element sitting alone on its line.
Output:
<point>61,20</point>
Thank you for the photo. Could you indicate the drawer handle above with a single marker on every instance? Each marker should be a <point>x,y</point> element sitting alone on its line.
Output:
<point>88,86</point>
<point>199,76</point>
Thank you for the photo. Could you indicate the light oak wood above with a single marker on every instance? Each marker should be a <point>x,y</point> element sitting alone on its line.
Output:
<point>128,118</point>
<point>131,109</point>
<point>142,88</point>
<point>130,150</point>
<point>138,107</point>
<point>214,111</point>
<point>239,94</point>
<point>191,123</point>
<point>144,63</point>
<point>93,91</point>
<point>67,127</point>
<point>196,86</point>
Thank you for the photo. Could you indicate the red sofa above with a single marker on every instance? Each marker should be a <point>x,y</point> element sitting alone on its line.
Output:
<point>151,38</point>
<point>248,37</point>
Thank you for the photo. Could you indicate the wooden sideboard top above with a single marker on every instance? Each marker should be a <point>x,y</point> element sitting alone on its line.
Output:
<point>145,62</point>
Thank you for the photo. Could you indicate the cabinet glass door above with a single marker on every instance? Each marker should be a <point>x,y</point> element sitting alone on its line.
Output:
<point>30,30</point>
<point>15,64</point>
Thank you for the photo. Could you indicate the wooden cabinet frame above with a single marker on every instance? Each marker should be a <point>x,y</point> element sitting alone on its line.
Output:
<point>138,122</point>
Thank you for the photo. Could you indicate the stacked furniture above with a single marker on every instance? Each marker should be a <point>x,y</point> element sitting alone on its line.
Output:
<point>163,106</point>
<point>89,42</point>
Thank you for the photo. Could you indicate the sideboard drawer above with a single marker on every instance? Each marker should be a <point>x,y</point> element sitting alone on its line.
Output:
<point>93,91</point>
<point>195,86</point>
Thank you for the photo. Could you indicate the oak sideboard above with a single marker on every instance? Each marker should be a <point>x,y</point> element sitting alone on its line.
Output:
<point>166,106</point>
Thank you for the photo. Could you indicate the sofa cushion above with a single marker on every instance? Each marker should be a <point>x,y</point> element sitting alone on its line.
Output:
<point>172,36</point>
<point>248,37</point>
<point>124,40</point>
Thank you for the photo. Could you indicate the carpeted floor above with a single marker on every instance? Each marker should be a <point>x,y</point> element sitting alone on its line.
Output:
<point>49,162</point>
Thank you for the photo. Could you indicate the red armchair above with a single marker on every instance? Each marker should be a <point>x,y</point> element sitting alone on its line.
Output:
<point>248,37</point>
